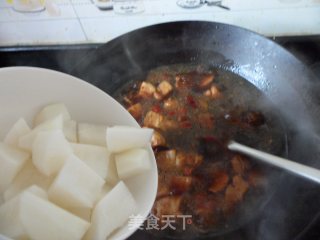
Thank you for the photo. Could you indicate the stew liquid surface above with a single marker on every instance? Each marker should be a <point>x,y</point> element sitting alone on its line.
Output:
<point>195,111</point>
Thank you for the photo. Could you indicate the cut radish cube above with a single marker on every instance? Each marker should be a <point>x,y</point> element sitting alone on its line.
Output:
<point>84,213</point>
<point>105,190</point>
<point>121,138</point>
<point>96,157</point>
<point>112,174</point>
<point>92,134</point>
<point>19,129</point>
<point>37,191</point>
<point>52,111</point>
<point>76,185</point>
<point>43,220</point>
<point>26,141</point>
<point>28,216</point>
<point>111,212</point>
<point>27,177</point>
<point>49,152</point>
<point>12,160</point>
<point>70,130</point>
<point>10,224</point>
<point>132,162</point>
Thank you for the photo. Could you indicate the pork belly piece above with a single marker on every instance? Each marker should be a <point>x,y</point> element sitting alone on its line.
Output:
<point>219,182</point>
<point>180,184</point>
<point>168,124</point>
<point>194,79</point>
<point>241,186</point>
<point>205,81</point>
<point>239,164</point>
<point>163,187</point>
<point>166,160</point>
<point>213,92</point>
<point>146,90</point>
<point>235,193</point>
<point>153,120</point>
<point>171,104</point>
<point>188,159</point>
<point>157,95</point>
<point>184,80</point>
<point>163,90</point>
<point>167,206</point>
<point>157,120</point>
<point>135,110</point>
<point>157,139</point>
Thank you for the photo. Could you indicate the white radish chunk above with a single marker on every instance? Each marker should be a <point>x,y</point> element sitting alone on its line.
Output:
<point>37,191</point>
<point>12,160</point>
<point>51,111</point>
<point>19,129</point>
<point>112,175</point>
<point>84,213</point>
<point>96,157</point>
<point>43,220</point>
<point>111,212</point>
<point>10,224</point>
<point>121,138</point>
<point>70,130</point>
<point>94,134</point>
<point>105,190</point>
<point>27,177</point>
<point>76,185</point>
<point>28,216</point>
<point>132,162</point>
<point>49,151</point>
<point>26,141</point>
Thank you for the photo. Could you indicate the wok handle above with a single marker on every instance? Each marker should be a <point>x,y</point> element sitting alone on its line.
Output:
<point>297,168</point>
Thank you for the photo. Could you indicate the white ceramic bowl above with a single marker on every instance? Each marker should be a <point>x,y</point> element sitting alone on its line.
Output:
<point>25,90</point>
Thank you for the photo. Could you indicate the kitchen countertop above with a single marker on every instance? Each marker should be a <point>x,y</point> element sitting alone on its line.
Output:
<point>81,22</point>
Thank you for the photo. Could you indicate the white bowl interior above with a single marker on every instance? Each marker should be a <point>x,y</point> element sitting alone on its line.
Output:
<point>25,90</point>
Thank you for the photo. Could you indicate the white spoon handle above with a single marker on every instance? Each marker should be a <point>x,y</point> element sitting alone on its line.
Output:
<point>297,168</point>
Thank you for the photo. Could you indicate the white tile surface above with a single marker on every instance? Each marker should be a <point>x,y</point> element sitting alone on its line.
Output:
<point>86,9</point>
<point>41,32</point>
<point>269,4</point>
<point>4,3</point>
<point>59,10</point>
<point>281,22</point>
<point>80,21</point>
<point>268,22</point>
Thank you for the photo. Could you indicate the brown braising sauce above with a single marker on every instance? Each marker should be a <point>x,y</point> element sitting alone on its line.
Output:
<point>195,111</point>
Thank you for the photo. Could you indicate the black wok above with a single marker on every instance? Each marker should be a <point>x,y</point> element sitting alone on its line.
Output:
<point>277,73</point>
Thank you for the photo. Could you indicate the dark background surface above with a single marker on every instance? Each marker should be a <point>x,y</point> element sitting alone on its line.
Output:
<point>303,227</point>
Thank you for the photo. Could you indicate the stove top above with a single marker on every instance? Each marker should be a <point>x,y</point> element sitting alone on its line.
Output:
<point>304,220</point>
